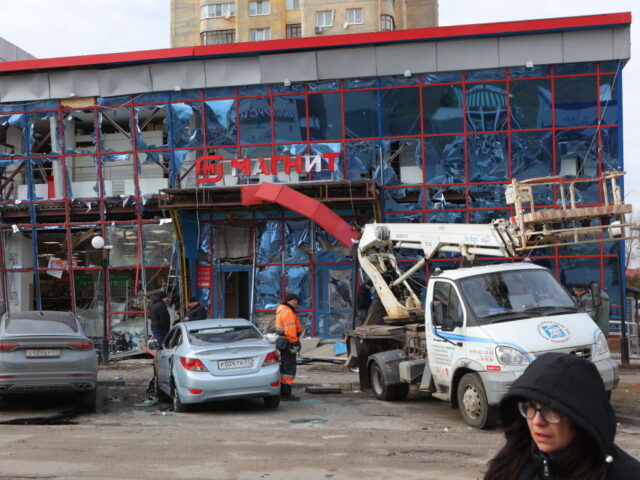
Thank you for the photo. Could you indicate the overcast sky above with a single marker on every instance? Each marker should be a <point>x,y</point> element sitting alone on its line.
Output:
<point>47,28</point>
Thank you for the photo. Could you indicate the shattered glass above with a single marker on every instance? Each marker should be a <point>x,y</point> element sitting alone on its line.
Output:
<point>442,77</point>
<point>297,243</point>
<point>124,244</point>
<point>338,166</point>
<point>269,242</point>
<point>610,149</point>
<point>532,157</point>
<point>186,125</point>
<point>444,159</point>
<point>576,153</point>
<point>157,243</point>
<point>268,287</point>
<point>220,117</point>
<point>362,159</point>
<point>609,99</point>
<point>298,281</point>
<point>405,158</point>
<point>487,157</point>
<point>327,249</point>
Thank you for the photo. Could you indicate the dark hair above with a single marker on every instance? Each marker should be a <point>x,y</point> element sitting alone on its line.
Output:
<point>291,296</point>
<point>581,460</point>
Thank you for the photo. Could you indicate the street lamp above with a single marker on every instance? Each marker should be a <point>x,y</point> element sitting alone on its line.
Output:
<point>98,243</point>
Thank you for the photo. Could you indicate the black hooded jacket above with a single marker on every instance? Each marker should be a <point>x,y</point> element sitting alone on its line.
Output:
<point>197,312</point>
<point>573,387</point>
<point>159,315</point>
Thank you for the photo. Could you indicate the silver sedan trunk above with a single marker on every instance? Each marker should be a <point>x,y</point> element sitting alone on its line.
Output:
<point>42,352</point>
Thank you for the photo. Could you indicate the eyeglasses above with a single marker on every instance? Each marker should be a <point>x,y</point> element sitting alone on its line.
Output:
<point>528,410</point>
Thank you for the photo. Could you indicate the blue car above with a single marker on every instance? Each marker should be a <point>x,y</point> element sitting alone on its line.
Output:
<point>220,359</point>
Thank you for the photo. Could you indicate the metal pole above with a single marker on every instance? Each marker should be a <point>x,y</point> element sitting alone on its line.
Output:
<point>624,342</point>
<point>105,340</point>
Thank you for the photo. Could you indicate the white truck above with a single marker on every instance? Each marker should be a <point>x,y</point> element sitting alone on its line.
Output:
<point>482,325</point>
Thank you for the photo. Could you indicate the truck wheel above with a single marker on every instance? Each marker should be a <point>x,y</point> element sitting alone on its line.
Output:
<point>472,402</point>
<point>381,390</point>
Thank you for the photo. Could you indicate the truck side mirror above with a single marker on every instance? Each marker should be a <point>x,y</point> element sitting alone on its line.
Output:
<point>437,311</point>
<point>448,325</point>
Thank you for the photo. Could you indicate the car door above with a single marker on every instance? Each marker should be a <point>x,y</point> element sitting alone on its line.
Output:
<point>164,362</point>
<point>443,345</point>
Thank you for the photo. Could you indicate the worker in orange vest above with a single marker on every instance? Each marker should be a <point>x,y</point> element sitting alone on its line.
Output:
<point>289,328</point>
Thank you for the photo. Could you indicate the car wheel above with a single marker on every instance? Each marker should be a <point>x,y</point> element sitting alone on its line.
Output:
<point>381,390</point>
<point>87,401</point>
<point>178,406</point>
<point>271,402</point>
<point>472,402</point>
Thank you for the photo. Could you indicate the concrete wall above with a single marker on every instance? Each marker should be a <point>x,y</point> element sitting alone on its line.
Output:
<point>185,23</point>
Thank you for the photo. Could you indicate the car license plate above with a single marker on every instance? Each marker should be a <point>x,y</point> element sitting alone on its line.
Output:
<point>236,363</point>
<point>43,353</point>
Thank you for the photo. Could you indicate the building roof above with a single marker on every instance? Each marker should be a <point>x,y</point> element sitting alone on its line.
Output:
<point>401,52</point>
<point>564,24</point>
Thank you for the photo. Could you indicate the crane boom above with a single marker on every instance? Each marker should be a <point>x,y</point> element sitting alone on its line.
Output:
<point>565,224</point>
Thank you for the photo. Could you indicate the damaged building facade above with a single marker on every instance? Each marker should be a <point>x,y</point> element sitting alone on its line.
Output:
<point>151,150</point>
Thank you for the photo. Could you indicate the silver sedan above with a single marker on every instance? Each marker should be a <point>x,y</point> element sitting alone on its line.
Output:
<point>221,359</point>
<point>45,352</point>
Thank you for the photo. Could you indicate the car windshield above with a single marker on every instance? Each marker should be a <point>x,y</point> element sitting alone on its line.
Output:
<point>513,295</point>
<point>217,335</point>
<point>38,325</point>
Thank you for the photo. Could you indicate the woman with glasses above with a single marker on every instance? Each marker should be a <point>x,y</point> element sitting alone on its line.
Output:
<point>559,425</point>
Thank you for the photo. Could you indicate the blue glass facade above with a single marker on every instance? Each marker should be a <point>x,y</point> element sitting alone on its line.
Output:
<point>440,146</point>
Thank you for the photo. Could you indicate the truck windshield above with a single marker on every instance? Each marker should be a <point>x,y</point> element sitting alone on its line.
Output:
<point>512,295</point>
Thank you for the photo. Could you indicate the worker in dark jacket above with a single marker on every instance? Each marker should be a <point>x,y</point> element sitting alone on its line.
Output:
<point>159,315</point>
<point>363,302</point>
<point>196,311</point>
<point>559,425</point>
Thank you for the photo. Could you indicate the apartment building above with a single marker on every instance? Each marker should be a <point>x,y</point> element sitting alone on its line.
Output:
<point>216,22</point>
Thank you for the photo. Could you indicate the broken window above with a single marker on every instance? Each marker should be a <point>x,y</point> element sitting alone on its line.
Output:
<point>298,281</point>
<point>576,151</point>
<point>14,172</point>
<point>487,157</point>
<point>158,243</point>
<point>220,116</point>
<point>362,159</point>
<point>268,289</point>
<point>297,243</point>
<point>80,139</point>
<point>405,158</point>
<point>186,125</point>
<point>444,159</point>
<point>326,173</point>
<point>269,242</point>
<point>123,239</point>
<point>328,249</point>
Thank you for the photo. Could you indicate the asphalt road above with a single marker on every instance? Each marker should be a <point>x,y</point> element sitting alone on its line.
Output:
<point>340,436</point>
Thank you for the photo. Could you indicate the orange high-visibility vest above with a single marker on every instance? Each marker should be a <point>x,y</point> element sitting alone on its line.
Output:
<point>287,321</point>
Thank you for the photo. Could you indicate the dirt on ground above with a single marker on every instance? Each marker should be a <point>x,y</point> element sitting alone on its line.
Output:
<point>350,435</point>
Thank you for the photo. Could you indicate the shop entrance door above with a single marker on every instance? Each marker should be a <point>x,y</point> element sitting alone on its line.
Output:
<point>334,290</point>
<point>232,292</point>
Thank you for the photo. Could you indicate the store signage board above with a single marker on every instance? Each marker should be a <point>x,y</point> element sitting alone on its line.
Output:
<point>210,168</point>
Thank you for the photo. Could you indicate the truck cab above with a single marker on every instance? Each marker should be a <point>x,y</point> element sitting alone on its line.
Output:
<point>484,325</point>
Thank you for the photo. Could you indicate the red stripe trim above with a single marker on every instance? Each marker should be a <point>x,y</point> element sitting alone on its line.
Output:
<point>293,44</point>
